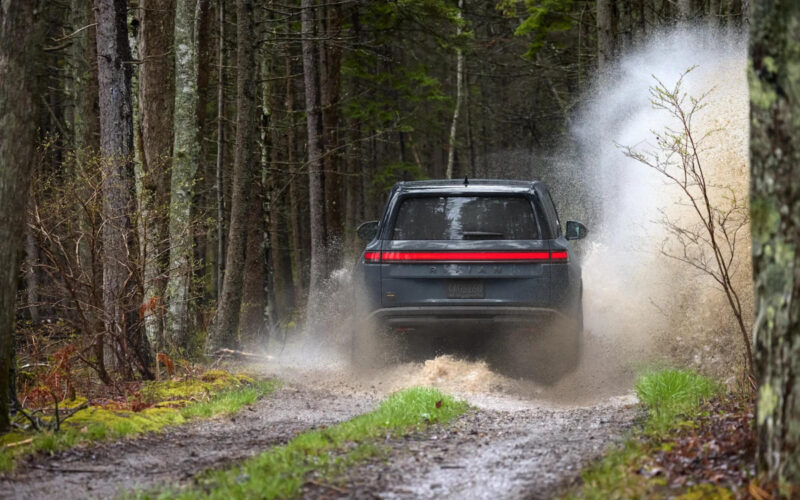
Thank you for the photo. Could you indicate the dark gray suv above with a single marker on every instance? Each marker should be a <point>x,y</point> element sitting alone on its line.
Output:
<point>490,255</point>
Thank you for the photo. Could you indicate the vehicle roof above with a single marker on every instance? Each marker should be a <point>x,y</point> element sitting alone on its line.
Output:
<point>458,185</point>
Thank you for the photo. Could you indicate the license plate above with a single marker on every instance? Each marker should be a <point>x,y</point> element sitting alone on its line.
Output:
<point>465,289</point>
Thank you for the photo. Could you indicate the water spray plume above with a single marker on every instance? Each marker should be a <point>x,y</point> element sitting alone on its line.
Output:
<point>638,304</point>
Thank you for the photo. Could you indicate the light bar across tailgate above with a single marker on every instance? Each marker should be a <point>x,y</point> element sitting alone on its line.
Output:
<point>466,256</point>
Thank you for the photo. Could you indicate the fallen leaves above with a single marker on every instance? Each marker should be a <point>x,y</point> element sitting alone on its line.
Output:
<point>717,448</point>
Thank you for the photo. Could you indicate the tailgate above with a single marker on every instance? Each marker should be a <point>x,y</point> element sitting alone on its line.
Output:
<point>419,272</point>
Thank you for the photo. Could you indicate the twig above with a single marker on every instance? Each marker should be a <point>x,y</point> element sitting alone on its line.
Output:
<point>19,443</point>
<point>243,354</point>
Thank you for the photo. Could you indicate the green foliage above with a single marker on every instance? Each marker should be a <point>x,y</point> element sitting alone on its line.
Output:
<point>668,394</point>
<point>544,17</point>
<point>281,471</point>
<point>395,91</point>
<point>387,176</point>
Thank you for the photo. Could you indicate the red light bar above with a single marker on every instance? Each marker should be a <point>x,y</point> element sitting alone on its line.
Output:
<point>462,256</point>
<point>372,256</point>
<point>560,255</point>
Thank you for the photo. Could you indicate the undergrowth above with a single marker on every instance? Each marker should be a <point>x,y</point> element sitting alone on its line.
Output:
<point>157,405</point>
<point>673,400</point>
<point>282,471</point>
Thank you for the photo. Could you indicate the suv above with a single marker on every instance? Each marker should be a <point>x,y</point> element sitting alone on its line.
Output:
<point>473,254</point>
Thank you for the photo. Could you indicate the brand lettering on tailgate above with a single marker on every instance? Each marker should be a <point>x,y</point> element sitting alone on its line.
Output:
<point>465,269</point>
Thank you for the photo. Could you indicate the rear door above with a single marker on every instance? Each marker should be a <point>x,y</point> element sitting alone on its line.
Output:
<point>464,249</point>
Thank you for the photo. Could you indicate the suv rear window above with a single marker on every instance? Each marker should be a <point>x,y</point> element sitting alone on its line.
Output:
<point>465,218</point>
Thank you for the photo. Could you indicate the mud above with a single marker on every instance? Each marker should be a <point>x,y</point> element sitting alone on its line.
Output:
<point>527,452</point>
<point>106,470</point>
<point>519,441</point>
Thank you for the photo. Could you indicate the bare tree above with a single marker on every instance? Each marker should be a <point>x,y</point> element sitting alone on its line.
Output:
<point>156,104</point>
<point>451,143</point>
<point>116,147</point>
<point>226,322</point>
<point>184,167</point>
<point>17,46</point>
<point>709,245</point>
<point>605,33</point>
<point>315,182</point>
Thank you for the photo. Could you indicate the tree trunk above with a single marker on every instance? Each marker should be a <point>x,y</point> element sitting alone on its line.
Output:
<point>18,46</point>
<point>116,148</point>
<point>775,191</point>
<point>605,34</point>
<point>204,251</point>
<point>296,177</point>
<point>316,199</point>
<point>254,300</point>
<point>226,323</point>
<point>685,9</point>
<point>156,104</point>
<point>451,143</point>
<point>219,188</point>
<point>32,273</point>
<point>184,167</point>
<point>330,79</point>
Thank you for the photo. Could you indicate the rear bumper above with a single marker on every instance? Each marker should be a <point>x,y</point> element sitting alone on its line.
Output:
<point>463,316</point>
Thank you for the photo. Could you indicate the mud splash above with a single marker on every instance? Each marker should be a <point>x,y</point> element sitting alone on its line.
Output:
<point>638,305</point>
<point>646,303</point>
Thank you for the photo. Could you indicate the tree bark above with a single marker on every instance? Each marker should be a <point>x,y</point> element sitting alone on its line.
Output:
<point>18,47</point>
<point>203,199</point>
<point>226,323</point>
<point>775,210</point>
<point>219,188</point>
<point>316,194</point>
<point>254,300</point>
<point>296,177</point>
<point>330,78</point>
<point>116,148</point>
<point>156,104</point>
<point>184,168</point>
<point>605,34</point>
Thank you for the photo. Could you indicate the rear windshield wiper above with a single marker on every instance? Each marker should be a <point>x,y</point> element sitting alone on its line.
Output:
<point>481,235</point>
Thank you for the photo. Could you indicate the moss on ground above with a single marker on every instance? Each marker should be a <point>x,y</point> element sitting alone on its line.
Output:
<point>166,403</point>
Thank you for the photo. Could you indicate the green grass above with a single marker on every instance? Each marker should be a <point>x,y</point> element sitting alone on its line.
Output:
<point>282,471</point>
<point>670,394</point>
<point>98,424</point>
<point>671,397</point>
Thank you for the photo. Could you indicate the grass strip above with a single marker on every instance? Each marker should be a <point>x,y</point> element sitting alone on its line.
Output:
<point>672,399</point>
<point>282,471</point>
<point>209,397</point>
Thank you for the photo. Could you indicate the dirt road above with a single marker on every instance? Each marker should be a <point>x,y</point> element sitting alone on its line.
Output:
<point>520,441</point>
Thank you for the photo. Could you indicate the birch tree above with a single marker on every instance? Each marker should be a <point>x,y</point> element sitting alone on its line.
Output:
<point>451,150</point>
<point>775,208</point>
<point>156,103</point>
<point>184,167</point>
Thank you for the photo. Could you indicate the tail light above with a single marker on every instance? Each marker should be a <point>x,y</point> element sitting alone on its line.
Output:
<point>496,256</point>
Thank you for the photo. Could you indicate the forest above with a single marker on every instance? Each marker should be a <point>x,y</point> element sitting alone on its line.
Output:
<point>183,176</point>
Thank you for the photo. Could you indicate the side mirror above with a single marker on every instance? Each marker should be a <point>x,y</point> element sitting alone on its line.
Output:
<point>368,230</point>
<point>576,230</point>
